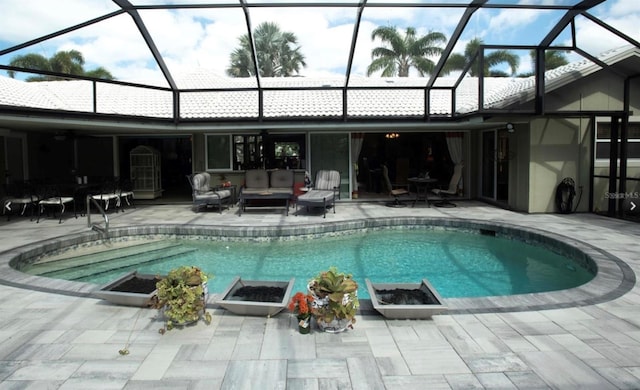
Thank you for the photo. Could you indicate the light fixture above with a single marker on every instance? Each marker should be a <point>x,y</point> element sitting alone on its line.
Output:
<point>510,128</point>
<point>391,135</point>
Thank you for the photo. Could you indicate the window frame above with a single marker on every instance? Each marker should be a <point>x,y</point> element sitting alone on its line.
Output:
<point>635,120</point>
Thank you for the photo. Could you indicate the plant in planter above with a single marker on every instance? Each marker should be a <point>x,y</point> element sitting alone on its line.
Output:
<point>182,296</point>
<point>300,305</point>
<point>335,300</point>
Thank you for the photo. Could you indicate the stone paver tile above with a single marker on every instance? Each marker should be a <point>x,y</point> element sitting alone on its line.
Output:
<point>423,360</point>
<point>93,384</point>
<point>499,362</point>
<point>334,383</point>
<point>106,370</point>
<point>302,384</point>
<point>392,365</point>
<point>417,382</point>
<point>220,348</point>
<point>382,342</point>
<point>495,381</point>
<point>364,373</point>
<point>620,377</point>
<point>266,374</point>
<point>30,385</point>
<point>527,380</point>
<point>192,370</point>
<point>563,370</point>
<point>463,381</point>
<point>317,368</point>
<point>166,385</point>
<point>156,363</point>
<point>45,371</point>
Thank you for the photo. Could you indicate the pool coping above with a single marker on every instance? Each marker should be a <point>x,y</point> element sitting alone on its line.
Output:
<point>613,279</point>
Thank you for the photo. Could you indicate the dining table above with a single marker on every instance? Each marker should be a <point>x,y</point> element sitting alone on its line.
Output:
<point>422,186</point>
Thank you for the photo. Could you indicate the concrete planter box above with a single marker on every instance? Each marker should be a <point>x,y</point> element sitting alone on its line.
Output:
<point>405,311</point>
<point>239,305</point>
<point>139,299</point>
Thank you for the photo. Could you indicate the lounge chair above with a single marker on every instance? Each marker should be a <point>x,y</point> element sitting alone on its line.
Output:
<point>452,190</point>
<point>396,190</point>
<point>204,195</point>
<point>324,192</point>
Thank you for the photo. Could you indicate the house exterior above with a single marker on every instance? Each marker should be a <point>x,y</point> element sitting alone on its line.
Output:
<point>517,143</point>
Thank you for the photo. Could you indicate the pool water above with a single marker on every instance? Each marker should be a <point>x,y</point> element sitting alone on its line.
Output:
<point>458,264</point>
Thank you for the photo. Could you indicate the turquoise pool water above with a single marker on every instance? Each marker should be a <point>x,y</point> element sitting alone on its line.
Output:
<point>458,264</point>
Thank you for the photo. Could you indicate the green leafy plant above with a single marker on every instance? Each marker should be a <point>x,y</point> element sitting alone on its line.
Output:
<point>181,296</point>
<point>337,294</point>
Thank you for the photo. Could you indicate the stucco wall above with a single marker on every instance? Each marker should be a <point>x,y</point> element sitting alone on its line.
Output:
<point>557,147</point>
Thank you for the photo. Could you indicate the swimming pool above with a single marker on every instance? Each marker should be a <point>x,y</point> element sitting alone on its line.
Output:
<point>458,263</point>
<point>613,276</point>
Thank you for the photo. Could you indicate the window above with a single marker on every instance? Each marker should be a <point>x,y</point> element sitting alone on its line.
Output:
<point>247,152</point>
<point>218,152</point>
<point>603,139</point>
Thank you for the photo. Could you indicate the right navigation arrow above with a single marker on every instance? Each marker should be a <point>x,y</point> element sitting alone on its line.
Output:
<point>633,206</point>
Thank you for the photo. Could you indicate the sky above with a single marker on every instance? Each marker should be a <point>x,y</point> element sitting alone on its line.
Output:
<point>192,39</point>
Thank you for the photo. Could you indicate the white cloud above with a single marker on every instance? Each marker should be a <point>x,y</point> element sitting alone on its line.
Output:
<point>204,38</point>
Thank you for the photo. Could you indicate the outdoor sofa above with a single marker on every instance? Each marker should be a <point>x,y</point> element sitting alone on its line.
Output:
<point>262,185</point>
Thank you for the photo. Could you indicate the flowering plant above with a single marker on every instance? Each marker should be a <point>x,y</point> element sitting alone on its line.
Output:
<point>301,304</point>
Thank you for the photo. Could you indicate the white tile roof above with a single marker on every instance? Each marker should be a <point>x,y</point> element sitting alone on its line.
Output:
<point>375,97</point>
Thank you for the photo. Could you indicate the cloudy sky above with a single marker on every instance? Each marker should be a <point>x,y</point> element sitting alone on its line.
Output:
<point>203,38</point>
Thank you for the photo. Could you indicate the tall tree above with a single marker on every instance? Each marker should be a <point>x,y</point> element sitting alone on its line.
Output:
<point>400,53</point>
<point>460,61</point>
<point>552,59</point>
<point>69,62</point>
<point>277,52</point>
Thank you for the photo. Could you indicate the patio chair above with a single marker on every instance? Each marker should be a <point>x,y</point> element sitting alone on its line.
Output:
<point>20,196</point>
<point>396,190</point>
<point>126,192</point>
<point>203,195</point>
<point>323,194</point>
<point>446,193</point>
<point>52,198</point>
<point>109,194</point>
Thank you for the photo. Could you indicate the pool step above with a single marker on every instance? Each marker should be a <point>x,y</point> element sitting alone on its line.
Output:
<point>90,264</point>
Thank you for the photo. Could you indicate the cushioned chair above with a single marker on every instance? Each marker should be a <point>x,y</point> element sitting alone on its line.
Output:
<point>53,199</point>
<point>256,181</point>
<point>397,191</point>
<point>20,196</point>
<point>282,181</point>
<point>446,193</point>
<point>109,194</point>
<point>324,192</point>
<point>203,195</point>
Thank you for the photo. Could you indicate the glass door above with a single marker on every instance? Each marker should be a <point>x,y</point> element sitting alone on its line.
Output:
<point>331,152</point>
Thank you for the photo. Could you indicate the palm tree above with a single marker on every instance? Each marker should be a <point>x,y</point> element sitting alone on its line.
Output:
<point>459,61</point>
<point>401,53</point>
<point>69,62</point>
<point>276,50</point>
<point>552,59</point>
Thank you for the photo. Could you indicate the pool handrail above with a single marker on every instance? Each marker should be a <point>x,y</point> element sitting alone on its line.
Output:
<point>104,230</point>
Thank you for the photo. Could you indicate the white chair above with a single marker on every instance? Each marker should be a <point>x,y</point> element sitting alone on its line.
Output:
<point>203,195</point>
<point>324,192</point>
<point>52,198</point>
<point>450,191</point>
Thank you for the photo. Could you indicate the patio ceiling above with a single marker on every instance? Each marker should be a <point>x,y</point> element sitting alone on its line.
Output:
<point>168,51</point>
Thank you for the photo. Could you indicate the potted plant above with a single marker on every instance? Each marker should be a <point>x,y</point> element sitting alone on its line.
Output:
<point>300,305</point>
<point>335,300</point>
<point>182,297</point>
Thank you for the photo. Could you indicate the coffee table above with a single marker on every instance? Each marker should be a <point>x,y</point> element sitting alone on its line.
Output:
<point>244,197</point>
